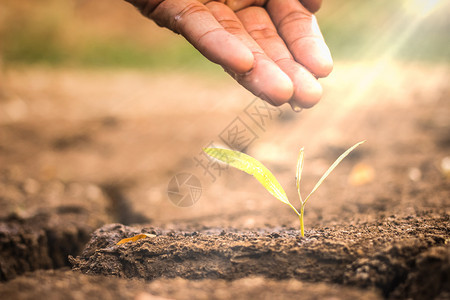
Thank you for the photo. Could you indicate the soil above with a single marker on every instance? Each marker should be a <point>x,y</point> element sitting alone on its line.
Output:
<point>401,257</point>
<point>86,158</point>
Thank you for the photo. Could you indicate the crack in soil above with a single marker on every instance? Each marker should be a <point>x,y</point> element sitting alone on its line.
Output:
<point>44,240</point>
<point>40,242</point>
<point>122,210</point>
<point>381,254</point>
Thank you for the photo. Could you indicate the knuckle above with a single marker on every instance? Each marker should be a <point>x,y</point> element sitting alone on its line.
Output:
<point>295,16</point>
<point>169,13</point>
<point>262,33</point>
<point>232,26</point>
<point>186,12</point>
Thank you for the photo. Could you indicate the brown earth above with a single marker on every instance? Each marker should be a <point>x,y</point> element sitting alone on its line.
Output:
<point>81,149</point>
<point>401,257</point>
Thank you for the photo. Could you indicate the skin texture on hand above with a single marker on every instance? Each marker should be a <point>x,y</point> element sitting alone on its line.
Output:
<point>274,48</point>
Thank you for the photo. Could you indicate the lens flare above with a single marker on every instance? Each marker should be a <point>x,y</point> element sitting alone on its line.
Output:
<point>420,8</point>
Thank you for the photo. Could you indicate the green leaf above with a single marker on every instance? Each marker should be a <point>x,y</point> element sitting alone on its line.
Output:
<point>330,169</point>
<point>250,166</point>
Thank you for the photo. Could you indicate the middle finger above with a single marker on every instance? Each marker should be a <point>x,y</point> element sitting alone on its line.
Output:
<point>307,90</point>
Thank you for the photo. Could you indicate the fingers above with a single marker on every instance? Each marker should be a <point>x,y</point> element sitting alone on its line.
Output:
<point>195,22</point>
<point>301,33</point>
<point>266,79</point>
<point>307,90</point>
<point>275,68</point>
<point>311,5</point>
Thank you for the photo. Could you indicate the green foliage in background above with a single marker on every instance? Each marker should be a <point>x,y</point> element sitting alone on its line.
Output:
<point>50,33</point>
<point>402,30</point>
<point>353,29</point>
<point>27,46</point>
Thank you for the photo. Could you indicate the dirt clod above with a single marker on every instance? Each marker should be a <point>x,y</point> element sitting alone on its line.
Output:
<point>342,256</point>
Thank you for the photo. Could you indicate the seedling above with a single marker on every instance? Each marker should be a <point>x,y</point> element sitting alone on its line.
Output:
<point>253,167</point>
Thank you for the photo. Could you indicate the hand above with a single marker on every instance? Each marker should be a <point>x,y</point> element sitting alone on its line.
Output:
<point>273,48</point>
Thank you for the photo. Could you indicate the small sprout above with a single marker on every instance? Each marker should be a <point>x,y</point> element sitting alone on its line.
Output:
<point>253,167</point>
<point>135,238</point>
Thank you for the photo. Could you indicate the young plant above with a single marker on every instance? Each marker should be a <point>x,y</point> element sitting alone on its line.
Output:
<point>253,167</point>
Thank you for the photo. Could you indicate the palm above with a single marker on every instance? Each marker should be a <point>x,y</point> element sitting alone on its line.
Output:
<point>275,51</point>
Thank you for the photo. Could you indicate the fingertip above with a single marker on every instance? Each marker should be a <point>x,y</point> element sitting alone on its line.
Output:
<point>308,94</point>
<point>315,56</point>
<point>275,85</point>
<point>307,89</point>
<point>322,66</point>
<point>240,59</point>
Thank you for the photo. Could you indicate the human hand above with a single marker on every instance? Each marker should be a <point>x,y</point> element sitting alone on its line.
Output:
<point>273,48</point>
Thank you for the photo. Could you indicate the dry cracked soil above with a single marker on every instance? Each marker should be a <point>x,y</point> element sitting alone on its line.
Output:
<point>86,158</point>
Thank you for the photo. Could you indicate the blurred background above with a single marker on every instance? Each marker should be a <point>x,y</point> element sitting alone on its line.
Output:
<point>98,103</point>
<point>110,34</point>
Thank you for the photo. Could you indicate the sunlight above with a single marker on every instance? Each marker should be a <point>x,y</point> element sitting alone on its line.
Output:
<point>403,26</point>
<point>420,7</point>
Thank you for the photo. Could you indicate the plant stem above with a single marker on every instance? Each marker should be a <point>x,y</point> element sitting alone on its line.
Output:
<point>302,226</point>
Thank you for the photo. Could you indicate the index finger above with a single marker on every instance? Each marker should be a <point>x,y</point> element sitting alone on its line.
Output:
<point>195,22</point>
